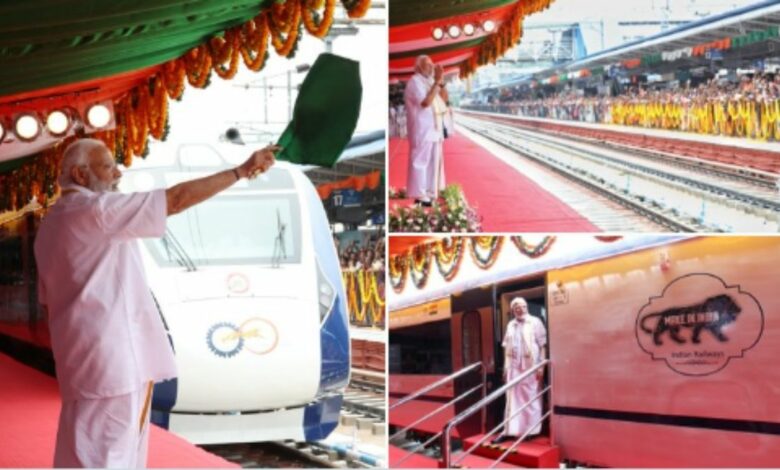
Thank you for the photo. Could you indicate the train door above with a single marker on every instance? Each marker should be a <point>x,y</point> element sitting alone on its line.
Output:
<point>533,291</point>
<point>472,341</point>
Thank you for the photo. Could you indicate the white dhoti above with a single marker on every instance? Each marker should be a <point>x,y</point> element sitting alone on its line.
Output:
<point>528,418</point>
<point>426,170</point>
<point>104,433</point>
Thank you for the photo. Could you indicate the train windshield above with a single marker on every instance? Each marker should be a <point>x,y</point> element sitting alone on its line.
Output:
<point>232,230</point>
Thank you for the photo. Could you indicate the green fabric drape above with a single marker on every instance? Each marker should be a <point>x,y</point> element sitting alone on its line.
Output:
<point>415,11</point>
<point>325,114</point>
<point>46,43</point>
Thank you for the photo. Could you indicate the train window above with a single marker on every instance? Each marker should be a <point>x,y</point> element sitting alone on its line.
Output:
<point>233,230</point>
<point>422,349</point>
<point>471,337</point>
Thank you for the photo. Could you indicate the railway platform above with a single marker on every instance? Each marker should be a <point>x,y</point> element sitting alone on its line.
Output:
<point>29,405</point>
<point>624,183</point>
<point>507,200</point>
<point>749,154</point>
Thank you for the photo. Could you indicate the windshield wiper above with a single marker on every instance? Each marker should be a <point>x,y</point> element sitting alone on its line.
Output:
<point>178,250</point>
<point>280,250</point>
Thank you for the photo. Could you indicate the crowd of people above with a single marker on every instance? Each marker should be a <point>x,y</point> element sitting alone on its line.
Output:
<point>363,272</point>
<point>747,108</point>
<point>368,255</point>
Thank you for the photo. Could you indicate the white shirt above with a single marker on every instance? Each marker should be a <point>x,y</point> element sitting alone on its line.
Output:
<point>106,333</point>
<point>524,341</point>
<point>420,122</point>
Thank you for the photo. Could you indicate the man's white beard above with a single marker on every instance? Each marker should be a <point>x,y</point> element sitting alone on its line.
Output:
<point>100,186</point>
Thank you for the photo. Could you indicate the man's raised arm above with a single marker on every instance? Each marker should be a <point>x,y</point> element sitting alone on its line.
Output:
<point>187,194</point>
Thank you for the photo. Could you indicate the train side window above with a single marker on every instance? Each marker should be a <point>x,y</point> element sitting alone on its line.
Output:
<point>421,349</point>
<point>471,337</point>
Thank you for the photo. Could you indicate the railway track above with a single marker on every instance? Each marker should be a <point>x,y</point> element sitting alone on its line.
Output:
<point>363,409</point>
<point>291,454</point>
<point>368,403</point>
<point>286,454</point>
<point>729,171</point>
<point>677,194</point>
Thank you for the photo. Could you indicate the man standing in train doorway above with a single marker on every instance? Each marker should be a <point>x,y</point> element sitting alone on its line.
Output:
<point>425,131</point>
<point>524,345</point>
<point>107,337</point>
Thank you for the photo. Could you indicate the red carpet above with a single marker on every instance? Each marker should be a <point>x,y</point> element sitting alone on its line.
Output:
<point>506,200</point>
<point>30,407</point>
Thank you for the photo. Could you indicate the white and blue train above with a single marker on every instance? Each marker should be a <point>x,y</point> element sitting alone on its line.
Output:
<point>249,288</point>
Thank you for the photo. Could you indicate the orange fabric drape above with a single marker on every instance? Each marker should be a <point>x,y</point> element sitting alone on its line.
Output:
<point>357,182</point>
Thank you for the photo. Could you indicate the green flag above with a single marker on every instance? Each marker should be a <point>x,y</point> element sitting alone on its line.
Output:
<point>325,114</point>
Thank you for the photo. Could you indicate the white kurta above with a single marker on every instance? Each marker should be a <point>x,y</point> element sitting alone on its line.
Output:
<point>107,336</point>
<point>426,169</point>
<point>523,344</point>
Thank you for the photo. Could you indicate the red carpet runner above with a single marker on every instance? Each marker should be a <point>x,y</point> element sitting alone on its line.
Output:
<point>506,200</point>
<point>30,407</point>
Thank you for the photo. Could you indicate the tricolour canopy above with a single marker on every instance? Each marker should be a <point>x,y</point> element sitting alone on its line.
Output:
<point>494,27</point>
<point>132,55</point>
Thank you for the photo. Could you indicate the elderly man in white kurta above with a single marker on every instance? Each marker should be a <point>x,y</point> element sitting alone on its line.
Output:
<point>424,111</point>
<point>524,346</point>
<point>107,337</point>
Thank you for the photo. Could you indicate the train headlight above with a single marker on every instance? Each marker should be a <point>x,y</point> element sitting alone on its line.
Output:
<point>326,294</point>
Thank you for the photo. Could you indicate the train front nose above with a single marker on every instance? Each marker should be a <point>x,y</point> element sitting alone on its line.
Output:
<point>246,354</point>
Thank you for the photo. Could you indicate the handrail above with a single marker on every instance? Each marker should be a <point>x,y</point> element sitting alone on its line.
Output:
<point>434,412</point>
<point>520,439</point>
<point>487,435</point>
<point>433,386</point>
<point>435,436</point>
<point>499,392</point>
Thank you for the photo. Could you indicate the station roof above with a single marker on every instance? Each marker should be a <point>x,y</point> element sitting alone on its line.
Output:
<point>364,154</point>
<point>737,22</point>
<point>742,36</point>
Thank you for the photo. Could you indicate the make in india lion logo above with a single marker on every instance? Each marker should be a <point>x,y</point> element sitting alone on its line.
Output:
<point>698,324</point>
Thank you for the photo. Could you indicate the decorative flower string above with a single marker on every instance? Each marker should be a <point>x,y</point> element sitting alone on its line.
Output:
<point>143,111</point>
<point>507,36</point>
<point>420,260</point>
<point>364,302</point>
<point>448,254</point>
<point>531,250</point>
<point>398,267</point>
<point>491,246</point>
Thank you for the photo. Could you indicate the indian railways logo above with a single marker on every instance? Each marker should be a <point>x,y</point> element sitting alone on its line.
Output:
<point>237,283</point>
<point>698,324</point>
<point>256,335</point>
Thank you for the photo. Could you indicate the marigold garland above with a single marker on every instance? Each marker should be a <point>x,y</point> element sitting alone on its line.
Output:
<point>398,268</point>
<point>143,111</point>
<point>420,260</point>
<point>507,36</point>
<point>449,254</point>
<point>321,29</point>
<point>356,8</point>
<point>364,302</point>
<point>491,244</point>
<point>531,250</point>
